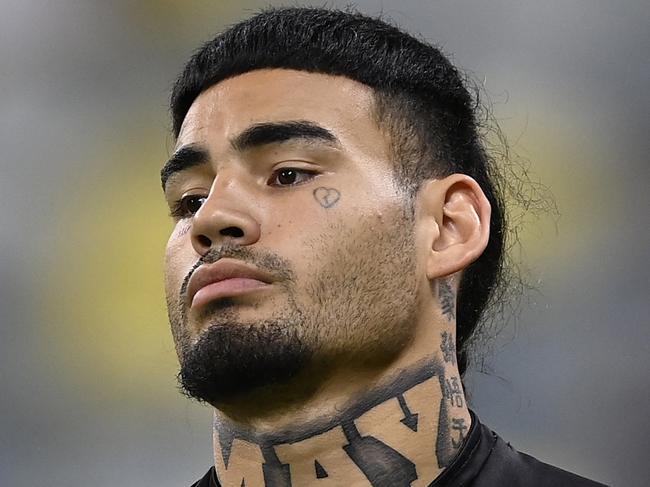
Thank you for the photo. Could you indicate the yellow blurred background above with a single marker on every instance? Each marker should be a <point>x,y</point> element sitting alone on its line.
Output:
<point>87,363</point>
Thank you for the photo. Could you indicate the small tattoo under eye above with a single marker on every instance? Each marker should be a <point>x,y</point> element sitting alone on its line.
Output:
<point>327,197</point>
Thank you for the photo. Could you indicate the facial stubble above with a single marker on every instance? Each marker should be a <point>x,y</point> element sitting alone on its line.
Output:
<point>358,306</point>
<point>230,356</point>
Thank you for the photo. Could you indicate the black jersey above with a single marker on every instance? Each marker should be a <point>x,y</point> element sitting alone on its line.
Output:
<point>485,460</point>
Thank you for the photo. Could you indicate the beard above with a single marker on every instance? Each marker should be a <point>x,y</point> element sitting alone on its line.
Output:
<point>231,360</point>
<point>233,357</point>
<point>358,307</point>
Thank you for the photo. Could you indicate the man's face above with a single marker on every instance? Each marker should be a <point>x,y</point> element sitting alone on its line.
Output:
<point>286,172</point>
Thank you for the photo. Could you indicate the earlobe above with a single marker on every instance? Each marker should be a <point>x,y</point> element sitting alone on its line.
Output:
<point>463,219</point>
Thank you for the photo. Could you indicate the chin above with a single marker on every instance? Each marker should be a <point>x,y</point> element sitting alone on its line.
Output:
<point>231,359</point>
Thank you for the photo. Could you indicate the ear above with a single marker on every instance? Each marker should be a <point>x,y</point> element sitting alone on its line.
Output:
<point>458,214</point>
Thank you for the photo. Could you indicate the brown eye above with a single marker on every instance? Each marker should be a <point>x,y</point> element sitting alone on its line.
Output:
<point>187,206</point>
<point>192,203</point>
<point>291,176</point>
<point>287,176</point>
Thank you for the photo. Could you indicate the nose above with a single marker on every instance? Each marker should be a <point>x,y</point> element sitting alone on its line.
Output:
<point>224,216</point>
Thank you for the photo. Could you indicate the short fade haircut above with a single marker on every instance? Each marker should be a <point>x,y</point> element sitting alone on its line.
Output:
<point>421,101</point>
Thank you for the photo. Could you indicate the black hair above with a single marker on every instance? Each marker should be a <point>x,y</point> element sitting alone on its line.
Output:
<point>421,100</point>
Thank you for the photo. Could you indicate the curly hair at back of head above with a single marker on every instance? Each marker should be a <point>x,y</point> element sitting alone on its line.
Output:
<point>421,101</point>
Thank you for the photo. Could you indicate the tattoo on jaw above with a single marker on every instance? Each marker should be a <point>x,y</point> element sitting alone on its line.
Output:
<point>447,299</point>
<point>327,197</point>
<point>369,454</point>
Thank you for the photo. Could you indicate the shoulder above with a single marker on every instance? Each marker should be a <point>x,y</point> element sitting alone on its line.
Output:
<point>507,466</point>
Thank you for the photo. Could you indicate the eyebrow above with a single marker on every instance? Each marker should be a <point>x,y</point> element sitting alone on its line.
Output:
<point>184,158</point>
<point>256,135</point>
<point>274,132</point>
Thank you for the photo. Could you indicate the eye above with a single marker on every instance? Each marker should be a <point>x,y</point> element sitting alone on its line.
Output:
<point>187,206</point>
<point>290,176</point>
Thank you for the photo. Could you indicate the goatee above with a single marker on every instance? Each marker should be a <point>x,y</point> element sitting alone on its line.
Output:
<point>230,360</point>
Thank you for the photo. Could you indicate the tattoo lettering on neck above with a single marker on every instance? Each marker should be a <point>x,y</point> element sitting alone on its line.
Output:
<point>356,447</point>
<point>452,390</point>
<point>410,419</point>
<point>380,463</point>
<point>327,197</point>
<point>226,438</point>
<point>447,299</point>
<point>276,473</point>
<point>458,425</point>
<point>321,473</point>
<point>448,347</point>
<point>449,443</point>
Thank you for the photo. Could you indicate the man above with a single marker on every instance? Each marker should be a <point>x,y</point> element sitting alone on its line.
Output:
<point>337,236</point>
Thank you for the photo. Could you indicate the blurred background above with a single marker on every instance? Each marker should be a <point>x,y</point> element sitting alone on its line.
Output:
<point>87,367</point>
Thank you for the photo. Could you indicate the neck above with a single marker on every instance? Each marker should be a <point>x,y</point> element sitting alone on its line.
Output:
<point>401,430</point>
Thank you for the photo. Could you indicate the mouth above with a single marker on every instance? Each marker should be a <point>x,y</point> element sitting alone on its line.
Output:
<point>226,288</point>
<point>223,279</point>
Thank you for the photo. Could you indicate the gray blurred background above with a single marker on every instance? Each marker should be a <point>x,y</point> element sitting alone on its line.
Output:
<point>87,368</point>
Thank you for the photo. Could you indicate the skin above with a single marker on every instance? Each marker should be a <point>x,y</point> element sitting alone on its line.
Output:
<point>368,286</point>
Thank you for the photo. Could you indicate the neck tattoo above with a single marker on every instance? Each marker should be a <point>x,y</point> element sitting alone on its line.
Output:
<point>401,435</point>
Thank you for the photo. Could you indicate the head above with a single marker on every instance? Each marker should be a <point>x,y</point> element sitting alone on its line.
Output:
<point>339,157</point>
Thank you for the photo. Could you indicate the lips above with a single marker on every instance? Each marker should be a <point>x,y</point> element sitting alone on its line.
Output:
<point>225,278</point>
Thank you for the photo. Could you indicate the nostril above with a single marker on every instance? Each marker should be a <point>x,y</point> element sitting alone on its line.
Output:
<point>204,241</point>
<point>232,232</point>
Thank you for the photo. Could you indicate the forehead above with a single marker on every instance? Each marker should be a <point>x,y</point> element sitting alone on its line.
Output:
<point>339,104</point>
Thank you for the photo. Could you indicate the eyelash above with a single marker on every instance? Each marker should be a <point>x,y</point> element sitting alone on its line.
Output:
<point>179,209</point>
<point>294,169</point>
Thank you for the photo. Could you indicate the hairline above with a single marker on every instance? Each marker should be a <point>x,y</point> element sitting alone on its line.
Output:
<point>382,111</point>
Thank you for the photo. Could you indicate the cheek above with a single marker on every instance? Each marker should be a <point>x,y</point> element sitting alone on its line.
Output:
<point>177,262</point>
<point>181,229</point>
